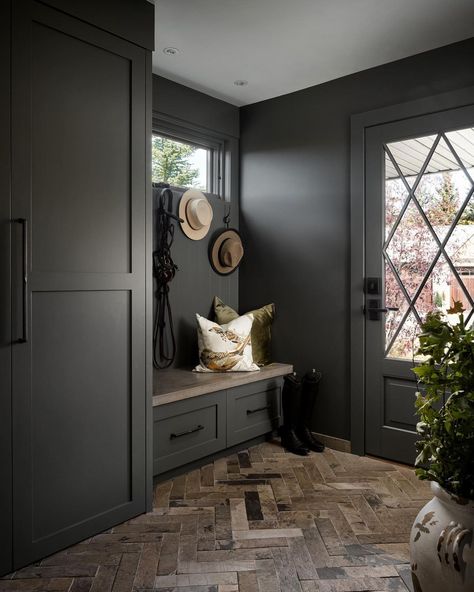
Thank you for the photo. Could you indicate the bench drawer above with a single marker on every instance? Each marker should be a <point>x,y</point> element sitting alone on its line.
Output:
<point>188,430</point>
<point>252,410</point>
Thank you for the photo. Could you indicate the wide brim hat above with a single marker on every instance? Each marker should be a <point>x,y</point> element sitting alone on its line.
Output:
<point>196,214</point>
<point>226,251</point>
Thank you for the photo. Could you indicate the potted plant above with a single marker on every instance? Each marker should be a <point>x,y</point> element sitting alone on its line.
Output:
<point>441,541</point>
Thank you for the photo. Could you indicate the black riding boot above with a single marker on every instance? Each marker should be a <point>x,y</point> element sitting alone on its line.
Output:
<point>291,401</point>
<point>309,390</point>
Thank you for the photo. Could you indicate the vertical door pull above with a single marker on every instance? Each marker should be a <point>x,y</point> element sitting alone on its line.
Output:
<point>24,226</point>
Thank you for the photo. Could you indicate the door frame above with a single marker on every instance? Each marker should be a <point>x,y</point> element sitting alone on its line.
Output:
<point>359,124</point>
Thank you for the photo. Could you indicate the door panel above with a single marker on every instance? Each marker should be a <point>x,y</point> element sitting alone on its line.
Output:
<point>79,394</point>
<point>399,401</point>
<point>420,242</point>
<point>80,406</point>
<point>81,175</point>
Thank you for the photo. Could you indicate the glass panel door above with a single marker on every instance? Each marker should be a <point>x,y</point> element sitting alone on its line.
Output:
<point>429,232</point>
<point>419,250</point>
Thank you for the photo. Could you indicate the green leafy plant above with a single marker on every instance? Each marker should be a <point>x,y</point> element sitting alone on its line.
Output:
<point>445,403</point>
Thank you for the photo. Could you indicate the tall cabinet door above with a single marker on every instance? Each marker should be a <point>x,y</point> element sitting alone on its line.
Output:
<point>78,275</point>
<point>5,296</point>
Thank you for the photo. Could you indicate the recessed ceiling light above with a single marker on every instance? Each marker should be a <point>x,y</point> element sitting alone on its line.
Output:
<point>240,82</point>
<point>171,51</point>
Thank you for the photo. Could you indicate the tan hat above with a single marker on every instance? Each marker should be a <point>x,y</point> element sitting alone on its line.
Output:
<point>226,252</point>
<point>196,213</point>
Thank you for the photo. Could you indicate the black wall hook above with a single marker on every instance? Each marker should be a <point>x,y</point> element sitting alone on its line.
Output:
<point>226,218</point>
<point>166,191</point>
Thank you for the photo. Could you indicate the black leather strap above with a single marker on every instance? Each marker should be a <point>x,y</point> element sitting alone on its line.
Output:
<point>164,270</point>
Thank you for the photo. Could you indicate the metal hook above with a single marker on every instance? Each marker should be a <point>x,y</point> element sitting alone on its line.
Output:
<point>226,218</point>
<point>170,215</point>
<point>166,191</point>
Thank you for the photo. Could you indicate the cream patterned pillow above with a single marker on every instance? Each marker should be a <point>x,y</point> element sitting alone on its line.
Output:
<point>225,348</point>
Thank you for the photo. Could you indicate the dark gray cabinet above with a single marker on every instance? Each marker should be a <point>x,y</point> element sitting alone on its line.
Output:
<point>188,430</point>
<point>252,410</point>
<point>76,222</point>
<point>193,428</point>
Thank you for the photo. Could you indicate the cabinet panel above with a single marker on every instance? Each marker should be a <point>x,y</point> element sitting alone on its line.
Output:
<point>196,427</point>
<point>80,406</point>
<point>188,430</point>
<point>252,410</point>
<point>79,153</point>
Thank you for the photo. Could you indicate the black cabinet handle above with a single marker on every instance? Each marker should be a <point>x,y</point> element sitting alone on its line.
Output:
<point>251,411</point>
<point>24,225</point>
<point>192,431</point>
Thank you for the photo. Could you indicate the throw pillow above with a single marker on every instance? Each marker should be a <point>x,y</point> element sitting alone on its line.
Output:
<point>261,328</point>
<point>227,347</point>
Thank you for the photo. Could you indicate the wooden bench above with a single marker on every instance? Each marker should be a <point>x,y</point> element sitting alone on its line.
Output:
<point>196,415</point>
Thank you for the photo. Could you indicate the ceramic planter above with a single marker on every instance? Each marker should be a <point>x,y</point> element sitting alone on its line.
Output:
<point>442,546</point>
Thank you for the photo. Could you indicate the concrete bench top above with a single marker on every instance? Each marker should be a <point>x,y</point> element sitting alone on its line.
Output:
<point>176,384</point>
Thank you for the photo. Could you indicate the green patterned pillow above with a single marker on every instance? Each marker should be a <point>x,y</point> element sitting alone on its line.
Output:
<point>261,328</point>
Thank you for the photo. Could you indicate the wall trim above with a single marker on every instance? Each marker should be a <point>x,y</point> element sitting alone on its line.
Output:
<point>359,124</point>
<point>149,304</point>
<point>334,443</point>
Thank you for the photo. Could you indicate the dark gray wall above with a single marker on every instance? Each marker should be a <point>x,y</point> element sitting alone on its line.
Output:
<point>295,210</point>
<point>195,283</point>
<point>194,107</point>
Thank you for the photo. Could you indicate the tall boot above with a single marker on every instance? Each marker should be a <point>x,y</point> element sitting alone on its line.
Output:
<point>291,402</point>
<point>309,391</point>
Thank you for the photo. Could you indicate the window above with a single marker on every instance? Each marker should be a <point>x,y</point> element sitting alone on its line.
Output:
<point>181,164</point>
<point>189,156</point>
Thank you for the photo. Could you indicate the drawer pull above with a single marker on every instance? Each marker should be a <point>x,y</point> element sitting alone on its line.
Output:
<point>251,411</point>
<point>196,429</point>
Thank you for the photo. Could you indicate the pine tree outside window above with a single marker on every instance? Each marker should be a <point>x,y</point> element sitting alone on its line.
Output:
<point>179,163</point>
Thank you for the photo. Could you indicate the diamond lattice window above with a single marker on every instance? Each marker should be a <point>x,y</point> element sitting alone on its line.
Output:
<point>429,232</point>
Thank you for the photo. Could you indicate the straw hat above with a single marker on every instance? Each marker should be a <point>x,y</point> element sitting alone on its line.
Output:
<point>196,213</point>
<point>226,252</point>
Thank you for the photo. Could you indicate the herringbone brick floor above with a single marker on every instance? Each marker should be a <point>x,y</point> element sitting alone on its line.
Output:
<point>258,521</point>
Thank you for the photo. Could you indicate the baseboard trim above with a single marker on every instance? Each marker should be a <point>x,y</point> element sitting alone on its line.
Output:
<point>334,443</point>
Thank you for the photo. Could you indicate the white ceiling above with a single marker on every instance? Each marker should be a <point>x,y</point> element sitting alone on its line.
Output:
<point>280,46</point>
